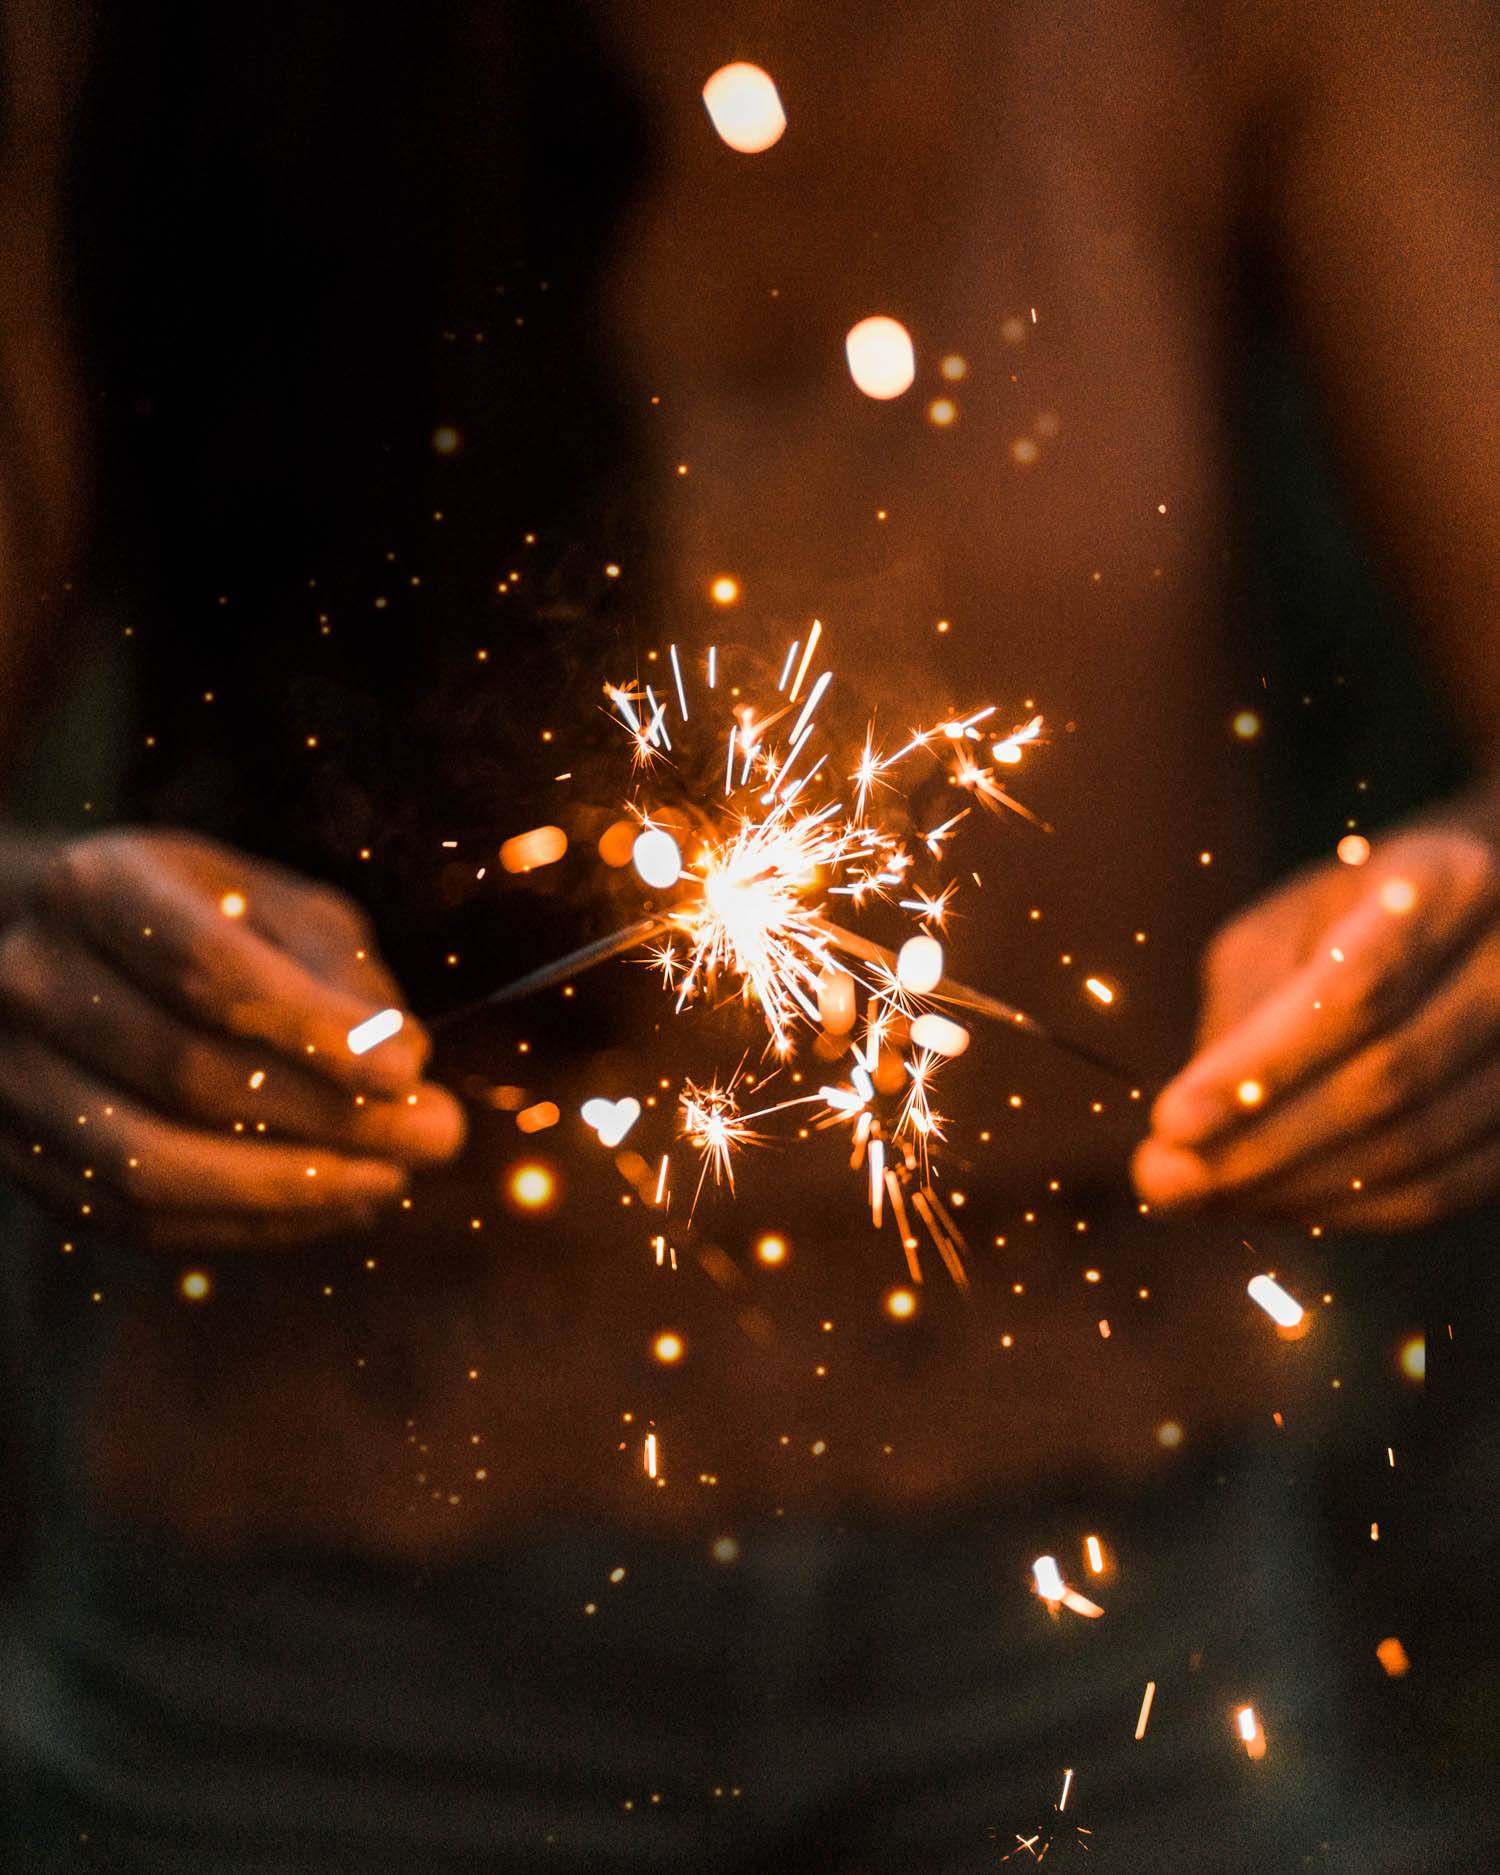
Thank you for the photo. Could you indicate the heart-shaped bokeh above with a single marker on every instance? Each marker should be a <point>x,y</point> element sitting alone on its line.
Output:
<point>612,1119</point>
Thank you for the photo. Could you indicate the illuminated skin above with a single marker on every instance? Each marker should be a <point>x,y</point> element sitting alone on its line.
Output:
<point>1368,1015</point>
<point>149,1034</point>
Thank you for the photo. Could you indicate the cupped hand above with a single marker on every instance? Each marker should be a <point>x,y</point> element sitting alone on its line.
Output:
<point>174,1056</point>
<point>1348,1063</point>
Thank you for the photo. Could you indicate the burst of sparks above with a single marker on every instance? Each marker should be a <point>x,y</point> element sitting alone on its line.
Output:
<point>772,841</point>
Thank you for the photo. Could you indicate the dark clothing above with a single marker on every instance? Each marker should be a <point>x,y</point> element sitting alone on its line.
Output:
<point>886,1698</point>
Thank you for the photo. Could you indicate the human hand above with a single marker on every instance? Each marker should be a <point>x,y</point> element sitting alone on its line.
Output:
<point>1348,1064</point>
<point>174,1061</point>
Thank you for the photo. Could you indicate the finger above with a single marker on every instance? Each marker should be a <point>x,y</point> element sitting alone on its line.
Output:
<point>1325,1121</point>
<point>1442,1191</point>
<point>79,1205</point>
<point>179,945</point>
<point>1394,1153</point>
<point>156,1164</point>
<point>1372,965</point>
<point>77,1000</point>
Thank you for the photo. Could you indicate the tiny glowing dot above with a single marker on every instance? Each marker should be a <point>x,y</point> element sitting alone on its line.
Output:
<point>532,1186</point>
<point>234,904</point>
<point>1205,859</point>
<point>612,571</point>
<point>1250,1093</point>
<point>1392,1655</point>
<point>1007,1341</point>
<point>953,367</point>
<point>1091,1276</point>
<point>1413,1358</point>
<point>258,1079</point>
<point>445,439</point>
<point>726,1549</point>
<point>725,590</point>
<point>1353,849</point>
<point>195,1286</point>
<point>944,626</point>
<point>900,1304</point>
<point>668,1347</point>
<point>1169,1434</point>
<point>1024,451</point>
<point>1099,989</point>
<point>942,412</point>
<point>1398,896</point>
<point>772,1249</point>
<point>1094,1551</point>
<point>1246,725</point>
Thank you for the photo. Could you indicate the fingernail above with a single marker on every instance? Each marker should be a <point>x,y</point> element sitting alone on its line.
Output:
<point>1166,1176</point>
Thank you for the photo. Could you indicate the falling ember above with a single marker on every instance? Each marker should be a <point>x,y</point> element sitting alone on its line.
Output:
<point>745,108</point>
<point>375,1029</point>
<point>650,1454</point>
<point>1393,1657</point>
<point>668,1347</point>
<point>1285,1310</point>
<point>1099,989</point>
<point>882,360</point>
<point>1251,1735</point>
<point>1250,1093</point>
<point>1094,1553</point>
<point>1048,1579</point>
<point>234,904</point>
<point>1412,1358</point>
<point>1145,1713</point>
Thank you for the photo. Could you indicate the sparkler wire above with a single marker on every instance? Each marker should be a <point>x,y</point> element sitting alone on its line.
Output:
<point>851,943</point>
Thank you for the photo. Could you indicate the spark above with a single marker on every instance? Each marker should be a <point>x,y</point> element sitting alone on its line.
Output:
<point>1145,1713</point>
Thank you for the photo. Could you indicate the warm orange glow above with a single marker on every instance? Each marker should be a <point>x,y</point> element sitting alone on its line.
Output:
<point>617,843</point>
<point>772,1249</point>
<point>541,846</point>
<point>1099,989</point>
<point>1412,1357</point>
<point>1353,849</point>
<point>1250,1093</point>
<point>745,107</point>
<point>1246,725</point>
<point>234,904</point>
<point>1093,1551</point>
<point>1398,896</point>
<point>1169,1435</point>
<point>668,1347</point>
<point>882,360</point>
<point>538,1118</point>
<point>1393,1657</point>
<point>942,412</point>
<point>900,1304</point>
<point>531,1185</point>
<point>445,439</point>
<point>195,1286</point>
<point>1251,1734</point>
<point>725,590</point>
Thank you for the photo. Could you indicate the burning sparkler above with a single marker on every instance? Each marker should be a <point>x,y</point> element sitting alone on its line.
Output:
<point>748,831</point>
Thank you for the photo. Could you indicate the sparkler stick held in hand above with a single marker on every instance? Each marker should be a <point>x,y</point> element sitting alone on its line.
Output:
<point>552,976</point>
